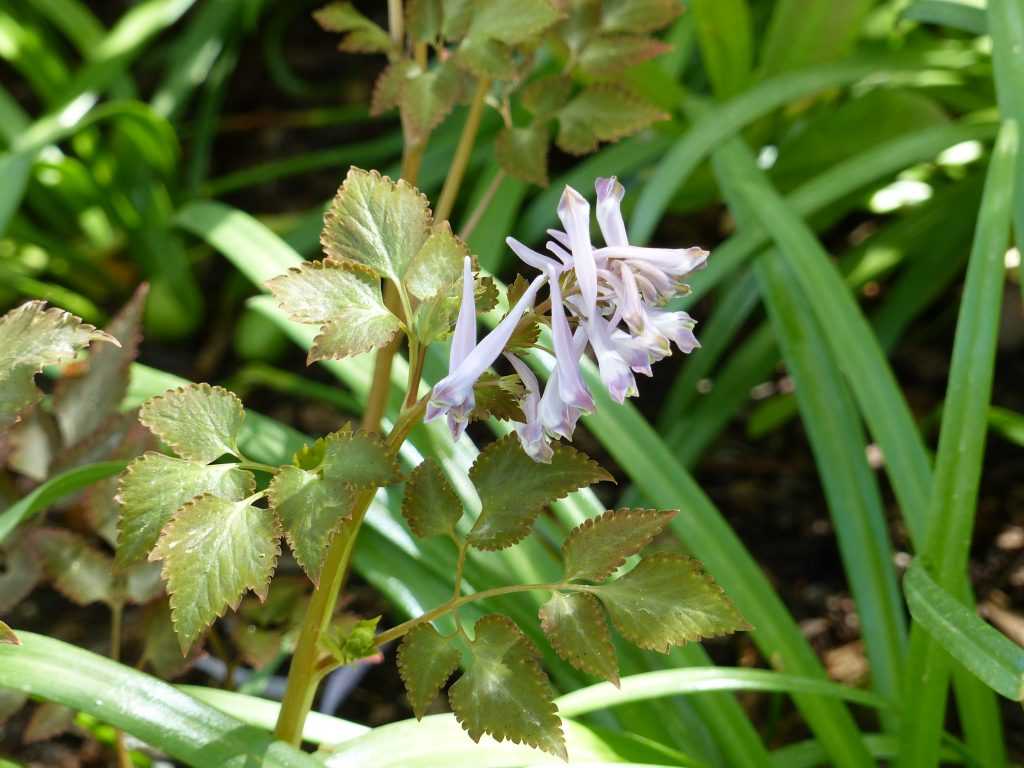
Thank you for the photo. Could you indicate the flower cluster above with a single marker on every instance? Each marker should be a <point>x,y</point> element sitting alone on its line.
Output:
<point>610,299</point>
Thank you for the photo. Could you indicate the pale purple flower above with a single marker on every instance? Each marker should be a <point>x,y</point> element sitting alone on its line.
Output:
<point>574,211</point>
<point>531,433</point>
<point>571,388</point>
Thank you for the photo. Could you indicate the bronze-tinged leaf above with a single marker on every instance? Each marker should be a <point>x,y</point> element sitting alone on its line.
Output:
<point>387,89</point>
<point>492,20</point>
<point>595,548</point>
<point>609,55</point>
<point>485,57</point>
<point>424,19</point>
<point>575,625</point>
<point>7,635</point>
<point>20,572</point>
<point>504,692</point>
<point>160,651</point>
<point>523,152</point>
<point>513,488</point>
<point>78,570</point>
<point>668,600</point>
<point>427,97</point>
<point>361,34</point>
<point>426,659</point>
<point>498,397</point>
<point>546,95</point>
<point>32,337</point>
<point>49,720</point>
<point>430,505</point>
<point>602,113</point>
<point>198,422</point>
<point>638,16</point>
<point>213,551</point>
<point>359,459</point>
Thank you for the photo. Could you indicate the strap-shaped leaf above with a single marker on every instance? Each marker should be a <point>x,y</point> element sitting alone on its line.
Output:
<point>32,337</point>
<point>359,459</point>
<point>426,659</point>
<point>312,510</point>
<point>155,486</point>
<point>345,299</point>
<point>599,545</point>
<point>513,488</point>
<point>361,34</point>
<point>602,113</point>
<point>77,569</point>
<point>377,222</point>
<point>213,551</point>
<point>83,404</point>
<point>7,636</point>
<point>668,600</point>
<point>503,690</point>
<point>430,505</point>
<point>577,629</point>
<point>198,422</point>
<point>523,152</point>
<point>350,638</point>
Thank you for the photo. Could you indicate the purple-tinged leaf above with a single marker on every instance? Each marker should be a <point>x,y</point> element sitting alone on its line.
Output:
<point>575,625</point>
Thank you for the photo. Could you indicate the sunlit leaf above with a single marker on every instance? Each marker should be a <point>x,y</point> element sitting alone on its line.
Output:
<point>602,113</point>
<point>359,459</point>
<point>312,510</point>
<point>198,422</point>
<point>377,222</point>
<point>430,505</point>
<point>361,34</point>
<point>426,660</point>
<point>523,152</point>
<point>32,337</point>
<point>213,551</point>
<point>437,268</point>
<point>598,546</point>
<point>350,638</point>
<point>77,569</point>
<point>155,486</point>
<point>345,299</point>
<point>513,488</point>
<point>668,600</point>
<point>504,692</point>
<point>577,629</point>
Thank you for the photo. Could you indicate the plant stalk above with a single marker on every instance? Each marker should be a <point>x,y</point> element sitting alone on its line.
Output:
<point>453,181</point>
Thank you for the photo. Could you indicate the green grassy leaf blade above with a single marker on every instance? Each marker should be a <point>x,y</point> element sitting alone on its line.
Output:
<point>949,13</point>
<point>728,58</point>
<point>801,34</point>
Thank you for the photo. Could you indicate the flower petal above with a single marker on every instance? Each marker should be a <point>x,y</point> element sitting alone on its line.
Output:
<point>615,370</point>
<point>674,261</point>
<point>567,357</point>
<point>534,259</point>
<point>609,213</point>
<point>574,211</point>
<point>464,338</point>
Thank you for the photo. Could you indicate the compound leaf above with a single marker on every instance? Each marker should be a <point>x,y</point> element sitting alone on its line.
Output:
<point>213,551</point>
<point>361,34</point>
<point>513,488</point>
<point>359,459</point>
<point>599,545</point>
<point>668,600</point>
<point>523,152</point>
<point>345,299</point>
<point>503,690</point>
<point>311,510</point>
<point>377,222</point>
<point>155,486</point>
<point>430,505</point>
<point>32,337</point>
<point>77,569</point>
<point>602,113</point>
<point>576,627</point>
<point>426,659</point>
<point>198,422</point>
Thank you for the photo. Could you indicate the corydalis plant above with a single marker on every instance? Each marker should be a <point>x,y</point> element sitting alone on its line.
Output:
<point>216,519</point>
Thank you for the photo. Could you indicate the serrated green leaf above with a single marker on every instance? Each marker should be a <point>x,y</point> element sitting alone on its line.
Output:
<point>576,627</point>
<point>492,19</point>
<point>437,268</point>
<point>213,550</point>
<point>312,510</point>
<point>311,455</point>
<point>82,404</point>
<point>362,35</point>
<point>668,600</point>
<point>198,422</point>
<point>498,397</point>
<point>424,19</point>
<point>32,337</point>
<point>427,97</point>
<point>387,89</point>
<point>7,635</point>
<point>610,54</point>
<point>78,570</point>
<point>457,16</point>
<point>513,488</point>
<point>359,459</point>
<point>350,638</point>
<point>345,299</point>
<point>602,113</point>
<point>546,95</point>
<point>426,660</point>
<point>485,57</point>
<point>595,548</point>
<point>430,505</point>
<point>376,222</point>
<point>155,486</point>
<point>504,692</point>
<point>638,16</point>
<point>523,152</point>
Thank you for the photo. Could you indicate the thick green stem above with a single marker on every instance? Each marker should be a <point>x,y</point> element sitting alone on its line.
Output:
<point>453,181</point>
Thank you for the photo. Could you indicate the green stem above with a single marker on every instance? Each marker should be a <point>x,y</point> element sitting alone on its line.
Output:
<point>457,602</point>
<point>246,464</point>
<point>453,181</point>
